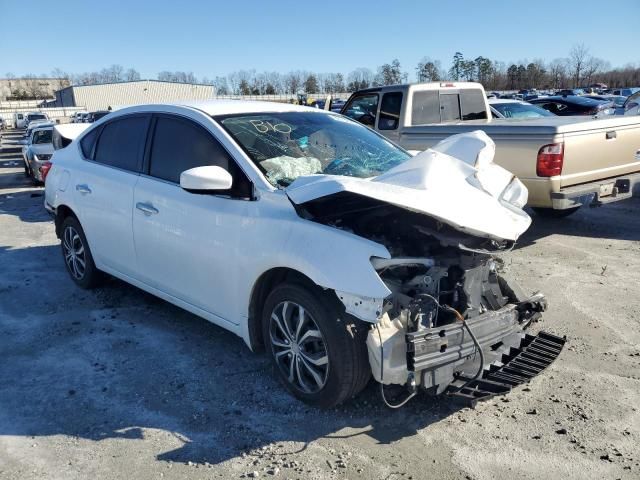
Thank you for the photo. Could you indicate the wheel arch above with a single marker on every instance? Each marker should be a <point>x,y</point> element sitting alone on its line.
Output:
<point>265,283</point>
<point>62,212</point>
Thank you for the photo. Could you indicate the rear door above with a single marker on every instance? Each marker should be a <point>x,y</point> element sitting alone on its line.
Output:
<point>187,244</point>
<point>104,183</point>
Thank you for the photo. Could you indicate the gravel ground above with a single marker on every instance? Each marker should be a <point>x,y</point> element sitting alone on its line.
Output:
<point>117,384</point>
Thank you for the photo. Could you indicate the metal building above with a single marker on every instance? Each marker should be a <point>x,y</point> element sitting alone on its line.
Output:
<point>121,94</point>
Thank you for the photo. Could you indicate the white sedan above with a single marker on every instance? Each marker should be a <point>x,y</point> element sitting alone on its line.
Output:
<point>308,235</point>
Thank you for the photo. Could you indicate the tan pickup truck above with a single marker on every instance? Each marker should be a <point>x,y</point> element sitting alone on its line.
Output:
<point>565,162</point>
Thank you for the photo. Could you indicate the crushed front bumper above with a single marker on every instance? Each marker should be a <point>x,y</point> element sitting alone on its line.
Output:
<point>441,357</point>
<point>517,366</point>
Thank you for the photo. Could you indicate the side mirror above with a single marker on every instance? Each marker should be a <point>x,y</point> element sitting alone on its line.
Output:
<point>201,179</point>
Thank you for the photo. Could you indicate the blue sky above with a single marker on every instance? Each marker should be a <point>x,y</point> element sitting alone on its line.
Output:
<point>212,38</point>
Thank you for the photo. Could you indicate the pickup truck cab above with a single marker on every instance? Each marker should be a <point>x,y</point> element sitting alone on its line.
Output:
<point>565,162</point>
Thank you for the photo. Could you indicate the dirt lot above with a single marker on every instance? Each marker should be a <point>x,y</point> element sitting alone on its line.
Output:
<point>117,384</point>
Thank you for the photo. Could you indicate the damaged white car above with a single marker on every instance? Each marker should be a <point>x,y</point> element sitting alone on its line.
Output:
<point>313,237</point>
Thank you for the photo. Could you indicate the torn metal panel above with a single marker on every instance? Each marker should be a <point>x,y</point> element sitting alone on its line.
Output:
<point>365,308</point>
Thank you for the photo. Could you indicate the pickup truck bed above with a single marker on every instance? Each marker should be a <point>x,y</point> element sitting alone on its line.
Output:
<point>596,151</point>
<point>565,162</point>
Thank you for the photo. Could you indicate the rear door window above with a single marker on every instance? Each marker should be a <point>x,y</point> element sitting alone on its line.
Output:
<point>425,107</point>
<point>390,111</point>
<point>87,143</point>
<point>473,105</point>
<point>121,143</point>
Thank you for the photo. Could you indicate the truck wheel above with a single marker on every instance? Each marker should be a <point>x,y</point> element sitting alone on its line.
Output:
<point>318,351</point>
<point>77,255</point>
<point>551,213</point>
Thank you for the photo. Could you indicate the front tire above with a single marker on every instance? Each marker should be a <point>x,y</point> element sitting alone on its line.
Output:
<point>77,255</point>
<point>318,351</point>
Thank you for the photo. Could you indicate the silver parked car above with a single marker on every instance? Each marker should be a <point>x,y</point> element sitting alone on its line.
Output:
<point>37,150</point>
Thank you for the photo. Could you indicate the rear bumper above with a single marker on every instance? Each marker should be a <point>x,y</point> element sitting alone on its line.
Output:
<point>597,193</point>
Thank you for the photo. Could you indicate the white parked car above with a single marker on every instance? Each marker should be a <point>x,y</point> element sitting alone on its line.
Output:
<point>35,117</point>
<point>309,235</point>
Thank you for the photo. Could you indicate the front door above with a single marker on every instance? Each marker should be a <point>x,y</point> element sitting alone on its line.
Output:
<point>187,243</point>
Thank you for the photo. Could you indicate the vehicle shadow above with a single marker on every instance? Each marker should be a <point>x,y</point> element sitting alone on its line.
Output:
<point>619,221</point>
<point>117,362</point>
<point>27,205</point>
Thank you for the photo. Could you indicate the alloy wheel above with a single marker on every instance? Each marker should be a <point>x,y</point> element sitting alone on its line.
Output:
<point>74,252</point>
<point>298,347</point>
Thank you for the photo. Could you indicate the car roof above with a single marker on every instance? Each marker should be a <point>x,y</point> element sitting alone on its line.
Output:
<point>43,127</point>
<point>221,107</point>
<point>493,101</point>
<point>576,99</point>
<point>230,107</point>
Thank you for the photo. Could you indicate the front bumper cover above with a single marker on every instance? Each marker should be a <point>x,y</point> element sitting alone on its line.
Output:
<point>441,356</point>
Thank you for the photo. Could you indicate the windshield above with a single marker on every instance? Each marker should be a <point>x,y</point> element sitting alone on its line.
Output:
<point>521,110</point>
<point>42,136</point>
<point>36,117</point>
<point>288,145</point>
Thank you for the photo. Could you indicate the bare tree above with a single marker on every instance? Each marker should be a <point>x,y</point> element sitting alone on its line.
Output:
<point>131,75</point>
<point>60,79</point>
<point>592,66</point>
<point>359,78</point>
<point>578,56</point>
<point>33,88</point>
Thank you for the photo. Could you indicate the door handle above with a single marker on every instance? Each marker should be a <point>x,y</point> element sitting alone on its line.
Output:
<point>83,188</point>
<point>146,208</point>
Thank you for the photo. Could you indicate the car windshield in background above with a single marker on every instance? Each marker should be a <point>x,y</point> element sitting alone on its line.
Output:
<point>521,110</point>
<point>36,117</point>
<point>42,136</point>
<point>288,145</point>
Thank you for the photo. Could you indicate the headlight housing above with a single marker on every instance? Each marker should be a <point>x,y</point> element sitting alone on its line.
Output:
<point>42,157</point>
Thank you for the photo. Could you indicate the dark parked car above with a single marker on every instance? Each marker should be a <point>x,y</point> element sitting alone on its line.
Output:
<point>94,116</point>
<point>570,91</point>
<point>574,105</point>
<point>618,100</point>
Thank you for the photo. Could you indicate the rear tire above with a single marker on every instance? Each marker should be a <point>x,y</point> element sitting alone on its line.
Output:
<point>318,351</point>
<point>77,255</point>
<point>551,213</point>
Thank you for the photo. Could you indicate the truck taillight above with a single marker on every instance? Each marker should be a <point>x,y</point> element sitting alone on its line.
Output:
<point>44,170</point>
<point>550,159</point>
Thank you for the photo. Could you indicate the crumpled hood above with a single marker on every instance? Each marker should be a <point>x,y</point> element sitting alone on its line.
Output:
<point>455,182</point>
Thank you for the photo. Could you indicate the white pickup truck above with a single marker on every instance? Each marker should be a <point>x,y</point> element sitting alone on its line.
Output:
<point>565,162</point>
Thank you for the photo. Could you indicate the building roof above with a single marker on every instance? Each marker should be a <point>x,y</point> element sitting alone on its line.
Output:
<point>126,82</point>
